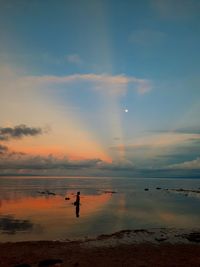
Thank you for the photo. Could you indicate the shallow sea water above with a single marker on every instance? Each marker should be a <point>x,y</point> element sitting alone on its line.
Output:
<point>27,213</point>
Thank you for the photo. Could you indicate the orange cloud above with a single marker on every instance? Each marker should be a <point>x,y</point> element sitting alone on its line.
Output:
<point>80,150</point>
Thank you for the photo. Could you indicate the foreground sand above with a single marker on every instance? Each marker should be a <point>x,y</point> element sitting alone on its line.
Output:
<point>126,248</point>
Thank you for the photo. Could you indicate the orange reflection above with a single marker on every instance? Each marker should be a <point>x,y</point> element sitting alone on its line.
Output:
<point>52,217</point>
<point>93,203</point>
<point>53,205</point>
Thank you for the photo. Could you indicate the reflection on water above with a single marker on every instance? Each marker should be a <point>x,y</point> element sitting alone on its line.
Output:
<point>44,209</point>
<point>77,210</point>
<point>10,225</point>
<point>77,204</point>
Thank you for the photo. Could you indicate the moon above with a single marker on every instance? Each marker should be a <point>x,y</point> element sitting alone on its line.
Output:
<point>126,110</point>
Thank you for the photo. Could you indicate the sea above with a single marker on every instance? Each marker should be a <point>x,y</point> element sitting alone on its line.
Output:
<point>42,208</point>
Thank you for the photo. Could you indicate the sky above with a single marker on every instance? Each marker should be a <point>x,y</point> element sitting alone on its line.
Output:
<point>100,88</point>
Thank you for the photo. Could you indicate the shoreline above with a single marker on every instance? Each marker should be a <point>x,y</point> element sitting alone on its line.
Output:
<point>141,247</point>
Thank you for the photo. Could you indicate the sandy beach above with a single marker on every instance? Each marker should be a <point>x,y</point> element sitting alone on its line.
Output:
<point>154,247</point>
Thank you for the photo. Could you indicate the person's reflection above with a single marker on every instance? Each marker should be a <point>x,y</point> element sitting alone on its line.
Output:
<point>77,210</point>
<point>77,204</point>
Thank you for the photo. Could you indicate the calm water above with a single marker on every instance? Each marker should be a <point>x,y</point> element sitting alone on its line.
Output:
<point>26,214</point>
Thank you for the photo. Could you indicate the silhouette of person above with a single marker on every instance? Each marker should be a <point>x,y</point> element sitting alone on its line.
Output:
<point>77,204</point>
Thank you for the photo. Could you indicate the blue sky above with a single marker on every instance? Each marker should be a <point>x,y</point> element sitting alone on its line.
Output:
<point>71,68</point>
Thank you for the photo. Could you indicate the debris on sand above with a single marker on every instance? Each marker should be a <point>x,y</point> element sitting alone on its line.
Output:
<point>22,265</point>
<point>193,237</point>
<point>160,239</point>
<point>50,262</point>
<point>143,236</point>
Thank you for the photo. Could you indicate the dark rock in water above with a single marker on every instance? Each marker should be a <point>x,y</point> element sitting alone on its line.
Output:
<point>49,263</point>
<point>67,198</point>
<point>146,189</point>
<point>193,237</point>
<point>110,192</point>
<point>23,265</point>
<point>158,188</point>
<point>47,192</point>
<point>50,193</point>
<point>186,191</point>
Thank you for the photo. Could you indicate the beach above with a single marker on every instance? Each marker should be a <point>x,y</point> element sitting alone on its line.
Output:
<point>153,247</point>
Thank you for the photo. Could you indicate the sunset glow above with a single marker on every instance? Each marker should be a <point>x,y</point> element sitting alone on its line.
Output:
<point>111,88</point>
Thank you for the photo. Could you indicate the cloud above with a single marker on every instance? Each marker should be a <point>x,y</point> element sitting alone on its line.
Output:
<point>119,165</point>
<point>189,130</point>
<point>159,150</point>
<point>3,149</point>
<point>147,37</point>
<point>74,58</point>
<point>8,154</point>
<point>160,140</point>
<point>17,161</point>
<point>151,151</point>
<point>18,132</point>
<point>176,9</point>
<point>112,84</point>
<point>187,165</point>
<point>23,164</point>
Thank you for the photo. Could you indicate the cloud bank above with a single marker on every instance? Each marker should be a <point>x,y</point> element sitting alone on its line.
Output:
<point>187,165</point>
<point>3,149</point>
<point>18,132</point>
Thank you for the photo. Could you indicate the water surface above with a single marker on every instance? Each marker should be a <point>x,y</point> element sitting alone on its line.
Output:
<point>26,213</point>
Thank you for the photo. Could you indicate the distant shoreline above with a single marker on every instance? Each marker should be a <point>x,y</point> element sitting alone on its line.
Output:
<point>187,177</point>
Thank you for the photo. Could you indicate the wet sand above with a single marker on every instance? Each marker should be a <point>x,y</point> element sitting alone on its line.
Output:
<point>154,247</point>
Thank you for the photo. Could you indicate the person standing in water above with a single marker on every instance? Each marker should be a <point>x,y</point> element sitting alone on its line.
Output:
<point>77,204</point>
